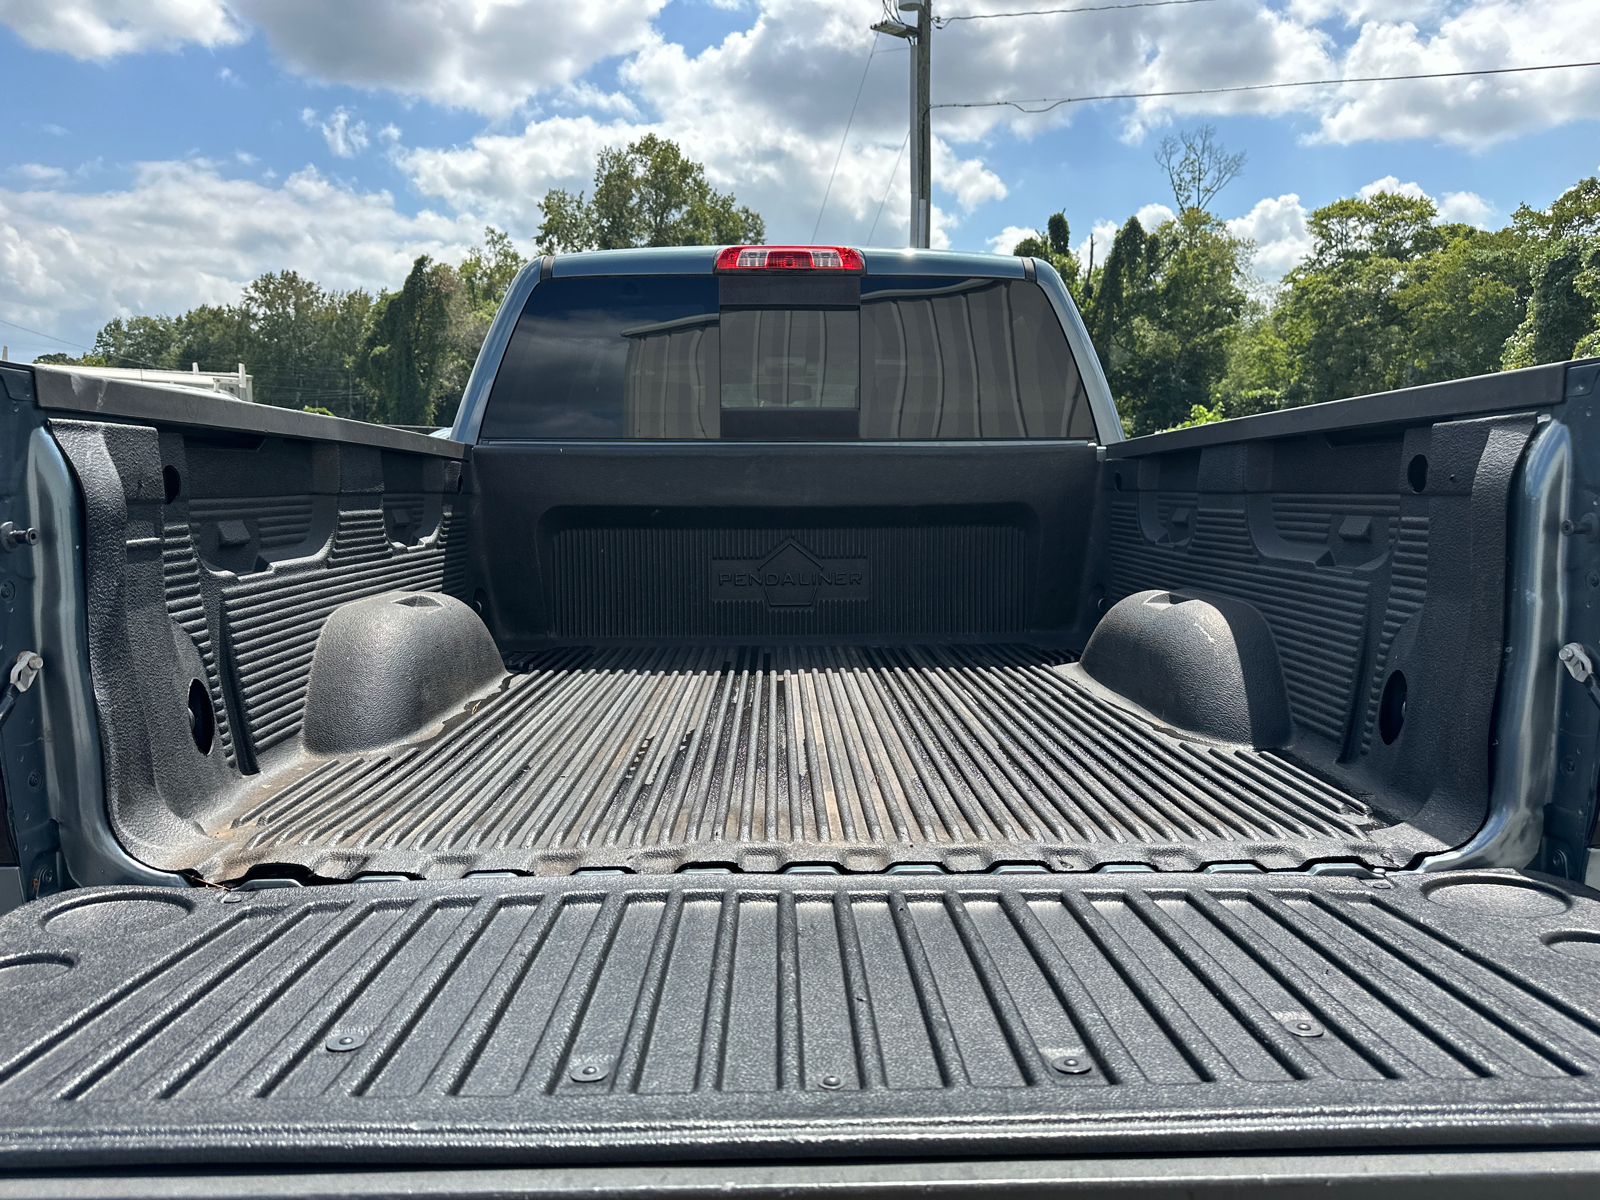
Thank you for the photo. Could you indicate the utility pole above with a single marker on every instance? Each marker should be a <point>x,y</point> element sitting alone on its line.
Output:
<point>920,37</point>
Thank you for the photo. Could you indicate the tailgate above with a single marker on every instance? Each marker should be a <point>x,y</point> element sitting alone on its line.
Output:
<point>710,1016</point>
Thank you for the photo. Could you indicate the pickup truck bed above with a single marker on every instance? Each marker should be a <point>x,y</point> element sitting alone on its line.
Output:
<point>755,785</point>
<point>652,722</point>
<point>761,758</point>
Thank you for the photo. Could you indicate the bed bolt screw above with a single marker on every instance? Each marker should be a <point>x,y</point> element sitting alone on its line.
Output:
<point>587,1073</point>
<point>33,779</point>
<point>1568,765</point>
<point>1594,579</point>
<point>832,1081</point>
<point>1071,1064</point>
<point>339,1043</point>
<point>7,591</point>
<point>1302,1027</point>
<point>13,537</point>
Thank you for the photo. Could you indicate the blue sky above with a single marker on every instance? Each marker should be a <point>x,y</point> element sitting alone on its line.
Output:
<point>161,153</point>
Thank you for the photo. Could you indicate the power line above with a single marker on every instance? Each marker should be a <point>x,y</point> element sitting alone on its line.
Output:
<point>48,337</point>
<point>941,22</point>
<point>1052,104</point>
<point>859,88</point>
<point>888,187</point>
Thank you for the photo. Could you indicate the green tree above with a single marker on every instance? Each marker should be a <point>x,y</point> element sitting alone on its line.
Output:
<point>1056,249</point>
<point>1560,249</point>
<point>568,224</point>
<point>1339,311</point>
<point>648,194</point>
<point>487,271</point>
<point>60,358</point>
<point>141,341</point>
<point>214,336</point>
<point>404,358</point>
<point>1163,307</point>
<point>1459,304</point>
<point>407,343</point>
<point>1260,364</point>
<point>1168,309</point>
<point>282,316</point>
<point>1197,166</point>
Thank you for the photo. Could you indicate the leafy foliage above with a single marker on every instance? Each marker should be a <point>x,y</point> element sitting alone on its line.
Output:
<point>404,357</point>
<point>1388,297</point>
<point>1163,307</point>
<point>648,194</point>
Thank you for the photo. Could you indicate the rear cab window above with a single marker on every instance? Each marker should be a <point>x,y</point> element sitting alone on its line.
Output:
<point>697,357</point>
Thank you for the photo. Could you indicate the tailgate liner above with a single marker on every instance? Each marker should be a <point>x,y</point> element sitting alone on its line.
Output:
<point>654,759</point>
<point>697,1016</point>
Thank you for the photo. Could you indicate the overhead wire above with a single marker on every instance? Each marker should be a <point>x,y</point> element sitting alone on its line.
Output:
<point>888,187</point>
<point>828,191</point>
<point>941,22</point>
<point>1054,103</point>
<point>48,337</point>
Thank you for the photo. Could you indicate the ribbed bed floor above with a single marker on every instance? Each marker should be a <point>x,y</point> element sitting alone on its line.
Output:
<point>657,759</point>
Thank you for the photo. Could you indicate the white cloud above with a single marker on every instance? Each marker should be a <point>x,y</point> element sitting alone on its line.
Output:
<point>763,110</point>
<point>491,56</point>
<point>1392,185</point>
<point>345,137</point>
<point>585,95</point>
<point>496,56</point>
<point>1278,229</point>
<point>183,234</point>
<point>1006,240</point>
<point>1467,207</point>
<point>1477,111</point>
<point>1095,247</point>
<point>971,181</point>
<point>1153,216</point>
<point>101,29</point>
<point>39,173</point>
<point>1205,46</point>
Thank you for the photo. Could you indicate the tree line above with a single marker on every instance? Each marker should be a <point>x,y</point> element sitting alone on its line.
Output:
<point>403,357</point>
<point>1388,297</point>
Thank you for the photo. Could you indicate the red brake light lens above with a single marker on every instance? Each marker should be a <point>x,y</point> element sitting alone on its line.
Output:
<point>790,258</point>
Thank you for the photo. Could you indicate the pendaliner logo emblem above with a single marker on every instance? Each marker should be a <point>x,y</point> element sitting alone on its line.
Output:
<point>790,577</point>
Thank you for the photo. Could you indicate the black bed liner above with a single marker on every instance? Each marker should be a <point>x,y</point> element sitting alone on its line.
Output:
<point>715,1016</point>
<point>656,758</point>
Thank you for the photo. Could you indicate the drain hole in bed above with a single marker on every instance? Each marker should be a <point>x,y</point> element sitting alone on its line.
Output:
<point>202,721</point>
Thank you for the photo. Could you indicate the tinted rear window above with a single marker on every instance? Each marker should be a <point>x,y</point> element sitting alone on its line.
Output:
<point>680,356</point>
